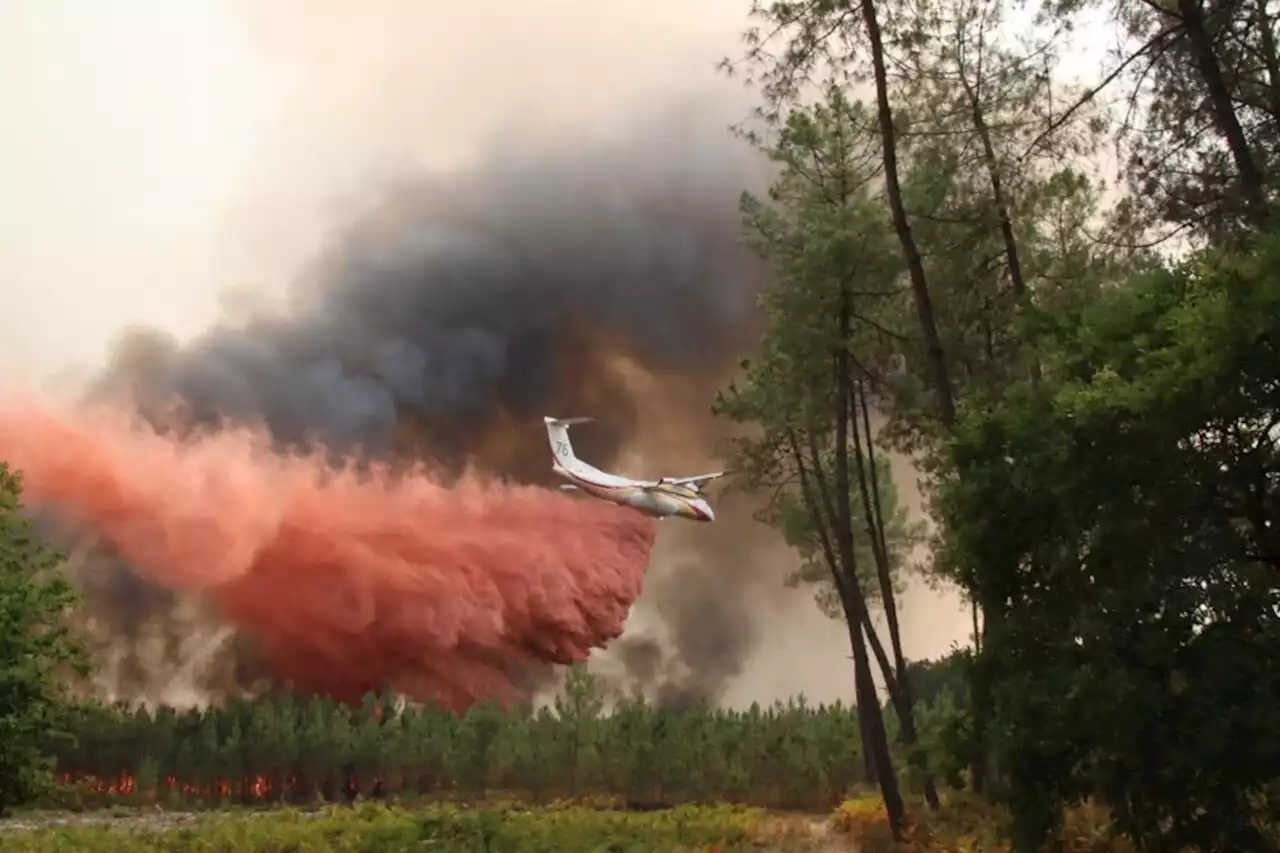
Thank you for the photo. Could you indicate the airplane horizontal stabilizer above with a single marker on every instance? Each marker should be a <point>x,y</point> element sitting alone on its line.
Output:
<point>565,421</point>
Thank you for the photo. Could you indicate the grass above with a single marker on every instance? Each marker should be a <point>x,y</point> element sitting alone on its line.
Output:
<point>593,825</point>
<point>444,828</point>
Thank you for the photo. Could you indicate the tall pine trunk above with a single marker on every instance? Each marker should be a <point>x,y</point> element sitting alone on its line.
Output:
<point>915,264</point>
<point>868,702</point>
<point>816,493</point>
<point>1201,41</point>
<point>899,684</point>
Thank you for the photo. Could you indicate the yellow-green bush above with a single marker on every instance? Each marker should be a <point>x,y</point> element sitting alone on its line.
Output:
<point>445,828</point>
<point>966,824</point>
<point>866,823</point>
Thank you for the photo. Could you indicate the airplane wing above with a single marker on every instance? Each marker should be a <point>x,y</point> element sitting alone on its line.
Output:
<point>692,481</point>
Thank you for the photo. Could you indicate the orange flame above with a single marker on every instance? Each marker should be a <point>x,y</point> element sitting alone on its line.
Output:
<point>254,787</point>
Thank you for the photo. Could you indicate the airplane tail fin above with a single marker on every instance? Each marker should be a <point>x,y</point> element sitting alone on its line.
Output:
<point>558,434</point>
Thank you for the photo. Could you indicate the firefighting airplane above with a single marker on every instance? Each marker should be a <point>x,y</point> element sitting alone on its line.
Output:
<point>661,498</point>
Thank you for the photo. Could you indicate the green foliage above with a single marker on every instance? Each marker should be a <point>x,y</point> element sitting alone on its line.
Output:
<point>371,827</point>
<point>932,680</point>
<point>1118,523</point>
<point>944,719</point>
<point>1108,495</point>
<point>819,228</point>
<point>36,651</point>
<point>795,522</point>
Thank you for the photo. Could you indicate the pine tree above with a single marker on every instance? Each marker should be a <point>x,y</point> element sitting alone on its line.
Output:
<point>37,650</point>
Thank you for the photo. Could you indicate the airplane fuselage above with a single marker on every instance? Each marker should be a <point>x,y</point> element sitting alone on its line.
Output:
<point>660,501</point>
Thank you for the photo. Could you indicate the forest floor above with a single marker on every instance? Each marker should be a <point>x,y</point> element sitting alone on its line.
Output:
<point>113,817</point>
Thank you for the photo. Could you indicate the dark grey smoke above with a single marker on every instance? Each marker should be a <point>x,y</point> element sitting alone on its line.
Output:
<point>462,292</point>
<point>505,290</point>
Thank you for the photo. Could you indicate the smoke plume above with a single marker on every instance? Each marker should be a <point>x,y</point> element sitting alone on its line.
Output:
<point>442,322</point>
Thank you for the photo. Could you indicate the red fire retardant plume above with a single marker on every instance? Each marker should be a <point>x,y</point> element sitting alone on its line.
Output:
<point>350,581</point>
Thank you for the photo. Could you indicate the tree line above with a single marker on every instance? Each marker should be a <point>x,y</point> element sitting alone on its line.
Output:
<point>287,749</point>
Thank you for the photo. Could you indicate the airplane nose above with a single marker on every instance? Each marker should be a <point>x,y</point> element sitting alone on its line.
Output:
<point>704,509</point>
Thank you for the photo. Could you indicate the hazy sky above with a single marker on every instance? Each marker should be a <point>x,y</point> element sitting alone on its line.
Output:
<point>155,153</point>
